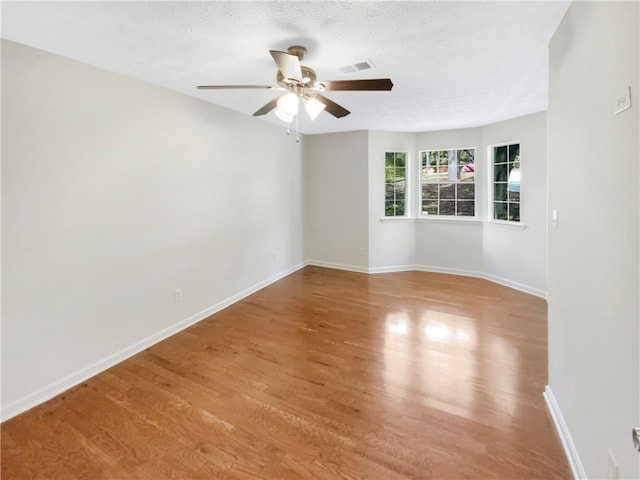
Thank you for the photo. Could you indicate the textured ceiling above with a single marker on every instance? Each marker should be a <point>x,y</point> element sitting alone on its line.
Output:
<point>453,64</point>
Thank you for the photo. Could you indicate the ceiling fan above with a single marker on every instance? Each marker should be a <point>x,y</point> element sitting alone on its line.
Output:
<point>301,84</point>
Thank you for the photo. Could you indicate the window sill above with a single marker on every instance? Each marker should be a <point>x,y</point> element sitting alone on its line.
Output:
<point>397,220</point>
<point>456,220</point>
<point>449,220</point>
<point>502,224</point>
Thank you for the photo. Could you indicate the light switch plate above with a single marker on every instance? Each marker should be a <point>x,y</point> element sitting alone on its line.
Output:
<point>623,100</point>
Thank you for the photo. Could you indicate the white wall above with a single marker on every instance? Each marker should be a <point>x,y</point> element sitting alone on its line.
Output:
<point>115,193</point>
<point>336,196</point>
<point>593,253</point>
<point>520,256</point>
<point>336,169</point>
<point>390,244</point>
<point>448,245</point>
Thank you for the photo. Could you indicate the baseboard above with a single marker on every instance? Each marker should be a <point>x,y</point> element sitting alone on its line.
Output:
<point>515,285</point>
<point>55,388</point>
<point>565,437</point>
<point>466,273</point>
<point>337,266</point>
<point>398,268</point>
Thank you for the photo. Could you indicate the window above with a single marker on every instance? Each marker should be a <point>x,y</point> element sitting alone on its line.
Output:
<point>506,182</point>
<point>395,184</point>
<point>447,182</point>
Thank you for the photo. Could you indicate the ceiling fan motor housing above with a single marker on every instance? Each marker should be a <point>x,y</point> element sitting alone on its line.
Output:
<point>308,80</point>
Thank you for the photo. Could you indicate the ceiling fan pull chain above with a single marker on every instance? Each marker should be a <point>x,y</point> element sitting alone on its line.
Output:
<point>297,128</point>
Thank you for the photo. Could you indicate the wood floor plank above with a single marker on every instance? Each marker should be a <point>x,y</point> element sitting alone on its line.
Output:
<point>325,374</point>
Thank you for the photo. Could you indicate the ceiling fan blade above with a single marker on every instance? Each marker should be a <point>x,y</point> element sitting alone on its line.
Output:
<point>288,64</point>
<point>220,87</point>
<point>367,84</point>
<point>267,108</point>
<point>332,107</point>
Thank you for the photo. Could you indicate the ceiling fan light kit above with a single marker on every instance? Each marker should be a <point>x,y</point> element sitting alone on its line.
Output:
<point>300,84</point>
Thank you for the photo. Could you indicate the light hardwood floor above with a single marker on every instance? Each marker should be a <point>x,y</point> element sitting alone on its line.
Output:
<point>325,374</point>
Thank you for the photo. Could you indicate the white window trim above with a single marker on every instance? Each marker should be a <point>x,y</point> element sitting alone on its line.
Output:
<point>506,224</point>
<point>447,218</point>
<point>519,225</point>
<point>407,189</point>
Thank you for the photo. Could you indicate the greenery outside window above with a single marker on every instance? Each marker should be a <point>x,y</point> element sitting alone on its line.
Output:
<point>447,182</point>
<point>395,184</point>
<point>506,182</point>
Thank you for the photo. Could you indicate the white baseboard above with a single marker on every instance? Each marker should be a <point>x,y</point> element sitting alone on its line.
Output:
<point>565,437</point>
<point>466,273</point>
<point>55,388</point>
<point>338,266</point>
<point>398,268</point>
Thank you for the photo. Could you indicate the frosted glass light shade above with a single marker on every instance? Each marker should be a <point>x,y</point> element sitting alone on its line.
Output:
<point>314,107</point>
<point>283,116</point>
<point>288,104</point>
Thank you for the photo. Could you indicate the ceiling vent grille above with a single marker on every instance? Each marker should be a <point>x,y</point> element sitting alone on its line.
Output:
<point>357,67</point>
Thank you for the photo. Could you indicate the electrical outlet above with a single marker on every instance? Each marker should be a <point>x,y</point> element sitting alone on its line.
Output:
<point>177,295</point>
<point>612,467</point>
<point>623,100</point>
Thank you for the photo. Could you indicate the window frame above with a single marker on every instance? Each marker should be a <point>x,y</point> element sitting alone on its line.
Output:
<point>435,217</point>
<point>491,185</point>
<point>407,188</point>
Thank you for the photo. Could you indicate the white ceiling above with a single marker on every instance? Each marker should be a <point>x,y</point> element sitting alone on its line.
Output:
<point>453,64</point>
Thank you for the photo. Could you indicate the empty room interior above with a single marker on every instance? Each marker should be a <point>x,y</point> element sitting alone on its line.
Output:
<point>354,240</point>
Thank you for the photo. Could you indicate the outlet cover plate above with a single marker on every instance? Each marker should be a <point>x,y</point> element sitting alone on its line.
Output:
<point>623,100</point>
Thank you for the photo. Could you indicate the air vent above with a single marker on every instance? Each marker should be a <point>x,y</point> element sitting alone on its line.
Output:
<point>357,67</point>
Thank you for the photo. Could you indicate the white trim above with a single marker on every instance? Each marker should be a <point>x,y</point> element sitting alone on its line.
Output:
<point>398,268</point>
<point>451,220</point>
<point>434,269</point>
<point>55,388</point>
<point>486,276</point>
<point>337,266</point>
<point>515,285</point>
<point>397,220</point>
<point>565,437</point>
<point>504,224</point>
<point>433,219</point>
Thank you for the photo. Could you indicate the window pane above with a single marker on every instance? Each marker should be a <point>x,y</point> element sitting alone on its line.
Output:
<point>443,156</point>
<point>389,209</point>
<point>430,192</point>
<point>466,191</point>
<point>400,195</point>
<point>433,159</point>
<point>500,173</point>
<point>400,159</point>
<point>500,192</point>
<point>499,211</point>
<point>389,195</point>
<point>399,173</point>
<point>388,159</point>
<point>465,157</point>
<point>514,178</point>
<point>394,208</point>
<point>500,154</point>
<point>430,207</point>
<point>514,153</point>
<point>447,191</point>
<point>466,173</point>
<point>514,212</point>
<point>447,207</point>
<point>465,209</point>
<point>514,197</point>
